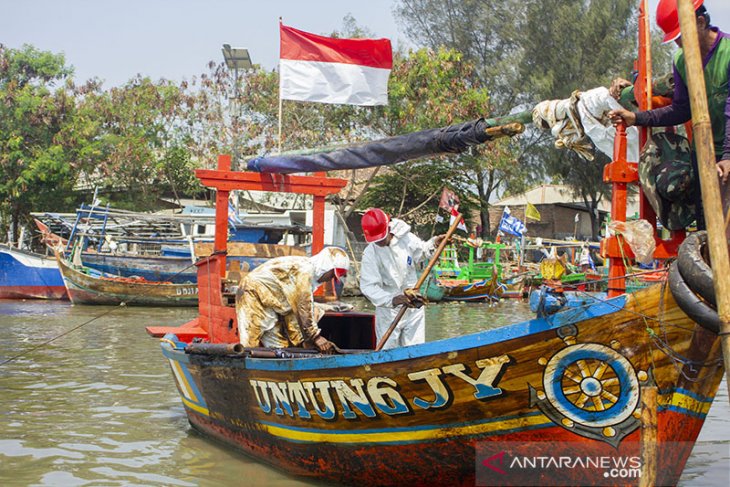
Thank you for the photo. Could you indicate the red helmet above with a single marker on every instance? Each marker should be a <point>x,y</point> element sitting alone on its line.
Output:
<point>375,225</point>
<point>668,19</point>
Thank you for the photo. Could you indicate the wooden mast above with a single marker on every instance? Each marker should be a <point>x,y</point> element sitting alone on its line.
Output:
<point>711,200</point>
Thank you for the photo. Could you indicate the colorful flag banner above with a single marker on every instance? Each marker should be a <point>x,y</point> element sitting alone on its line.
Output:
<point>233,218</point>
<point>462,225</point>
<point>328,70</point>
<point>448,200</point>
<point>531,212</point>
<point>511,225</point>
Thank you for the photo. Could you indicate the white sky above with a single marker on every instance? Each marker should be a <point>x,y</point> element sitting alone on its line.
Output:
<point>175,39</point>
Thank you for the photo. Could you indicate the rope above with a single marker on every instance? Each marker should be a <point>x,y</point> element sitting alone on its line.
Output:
<point>661,344</point>
<point>572,285</point>
<point>33,349</point>
<point>122,304</point>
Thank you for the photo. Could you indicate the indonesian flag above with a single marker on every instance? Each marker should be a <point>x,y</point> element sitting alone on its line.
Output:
<point>329,70</point>
<point>454,212</point>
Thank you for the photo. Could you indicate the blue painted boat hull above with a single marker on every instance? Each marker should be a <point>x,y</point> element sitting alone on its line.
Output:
<point>178,270</point>
<point>26,275</point>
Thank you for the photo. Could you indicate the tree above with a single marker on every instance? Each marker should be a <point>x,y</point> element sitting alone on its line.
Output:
<point>430,89</point>
<point>139,150</point>
<point>570,45</point>
<point>36,104</point>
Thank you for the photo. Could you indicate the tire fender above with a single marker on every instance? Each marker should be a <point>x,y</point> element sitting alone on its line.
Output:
<point>693,306</point>
<point>696,273</point>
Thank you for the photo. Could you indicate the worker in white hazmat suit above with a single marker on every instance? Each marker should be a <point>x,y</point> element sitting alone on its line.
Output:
<point>275,305</point>
<point>388,269</point>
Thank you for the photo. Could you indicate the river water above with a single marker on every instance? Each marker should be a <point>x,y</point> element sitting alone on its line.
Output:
<point>98,406</point>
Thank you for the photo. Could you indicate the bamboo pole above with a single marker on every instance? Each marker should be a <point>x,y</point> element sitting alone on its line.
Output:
<point>711,200</point>
<point>421,280</point>
<point>648,437</point>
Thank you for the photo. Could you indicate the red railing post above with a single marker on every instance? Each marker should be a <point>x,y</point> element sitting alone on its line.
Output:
<point>220,244</point>
<point>619,173</point>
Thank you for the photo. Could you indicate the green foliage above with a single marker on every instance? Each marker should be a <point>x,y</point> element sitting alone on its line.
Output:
<point>34,167</point>
<point>135,147</point>
<point>532,50</point>
<point>430,89</point>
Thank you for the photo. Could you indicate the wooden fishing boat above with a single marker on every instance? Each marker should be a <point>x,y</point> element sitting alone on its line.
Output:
<point>451,412</point>
<point>88,286</point>
<point>481,290</point>
<point>181,270</point>
<point>163,255</point>
<point>28,275</point>
<point>474,280</point>
<point>431,414</point>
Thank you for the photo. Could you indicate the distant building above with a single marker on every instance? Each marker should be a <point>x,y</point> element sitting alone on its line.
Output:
<point>562,215</point>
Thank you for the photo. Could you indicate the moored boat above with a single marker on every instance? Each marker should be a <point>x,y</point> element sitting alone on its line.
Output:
<point>477,279</point>
<point>480,290</point>
<point>27,275</point>
<point>431,414</point>
<point>88,286</point>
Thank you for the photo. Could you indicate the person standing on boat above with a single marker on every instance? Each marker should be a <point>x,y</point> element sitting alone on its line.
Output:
<point>715,51</point>
<point>388,270</point>
<point>275,302</point>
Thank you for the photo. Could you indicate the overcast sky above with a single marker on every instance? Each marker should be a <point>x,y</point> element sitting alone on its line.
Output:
<point>175,39</point>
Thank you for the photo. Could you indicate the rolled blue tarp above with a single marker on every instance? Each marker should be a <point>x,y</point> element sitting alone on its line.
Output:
<point>452,139</point>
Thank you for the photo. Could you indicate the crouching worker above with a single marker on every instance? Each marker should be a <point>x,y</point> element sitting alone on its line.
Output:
<point>275,305</point>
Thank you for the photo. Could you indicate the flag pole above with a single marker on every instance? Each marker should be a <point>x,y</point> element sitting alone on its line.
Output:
<point>281,101</point>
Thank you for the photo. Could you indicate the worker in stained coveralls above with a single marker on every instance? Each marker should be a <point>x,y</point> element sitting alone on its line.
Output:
<point>275,305</point>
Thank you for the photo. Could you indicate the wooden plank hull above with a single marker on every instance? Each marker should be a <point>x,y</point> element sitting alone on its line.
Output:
<point>26,275</point>
<point>85,288</point>
<point>181,270</point>
<point>455,290</point>
<point>437,413</point>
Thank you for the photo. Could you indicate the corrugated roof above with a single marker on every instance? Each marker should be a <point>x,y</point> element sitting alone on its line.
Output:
<point>550,194</point>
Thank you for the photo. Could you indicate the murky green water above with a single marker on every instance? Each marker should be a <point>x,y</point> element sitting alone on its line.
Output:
<point>98,405</point>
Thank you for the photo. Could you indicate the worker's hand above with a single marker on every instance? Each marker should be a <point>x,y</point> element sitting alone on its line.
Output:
<point>723,170</point>
<point>438,239</point>
<point>622,115</point>
<point>416,298</point>
<point>410,298</point>
<point>617,86</point>
<point>339,307</point>
<point>401,300</point>
<point>323,345</point>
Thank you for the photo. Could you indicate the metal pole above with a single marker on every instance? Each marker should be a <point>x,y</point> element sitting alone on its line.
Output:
<point>236,119</point>
<point>711,200</point>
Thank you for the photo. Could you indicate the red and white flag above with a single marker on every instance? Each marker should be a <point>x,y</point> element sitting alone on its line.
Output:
<point>329,70</point>
<point>462,225</point>
<point>448,200</point>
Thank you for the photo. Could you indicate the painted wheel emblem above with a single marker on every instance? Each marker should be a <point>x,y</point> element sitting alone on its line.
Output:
<point>590,389</point>
<point>591,384</point>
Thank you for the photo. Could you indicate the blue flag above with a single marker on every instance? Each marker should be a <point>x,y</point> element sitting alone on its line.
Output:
<point>511,225</point>
<point>233,216</point>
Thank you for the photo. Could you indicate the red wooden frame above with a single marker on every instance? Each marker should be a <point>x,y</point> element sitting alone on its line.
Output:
<point>216,320</point>
<point>621,173</point>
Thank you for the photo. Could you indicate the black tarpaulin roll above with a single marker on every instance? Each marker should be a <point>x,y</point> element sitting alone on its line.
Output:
<point>452,139</point>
